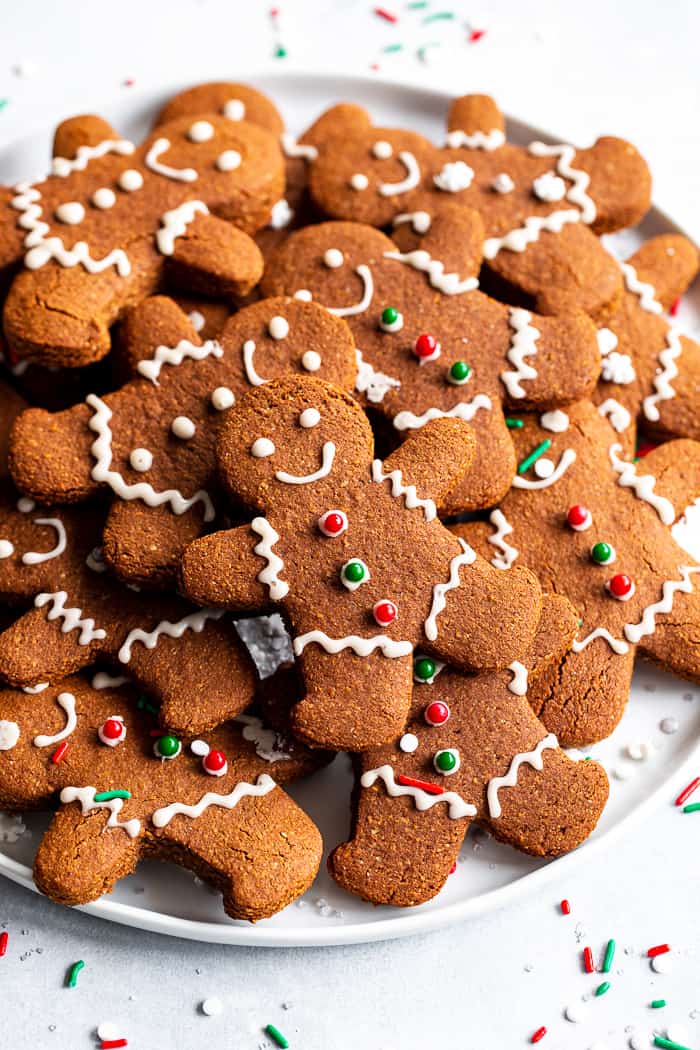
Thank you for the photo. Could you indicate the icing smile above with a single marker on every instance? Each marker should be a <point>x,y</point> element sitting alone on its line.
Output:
<point>365,274</point>
<point>327,458</point>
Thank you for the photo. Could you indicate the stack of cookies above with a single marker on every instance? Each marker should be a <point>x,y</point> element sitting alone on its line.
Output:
<point>390,390</point>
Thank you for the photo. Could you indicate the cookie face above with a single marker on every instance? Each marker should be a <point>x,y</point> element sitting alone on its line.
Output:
<point>429,343</point>
<point>96,234</point>
<point>596,527</point>
<point>152,443</point>
<point>472,750</point>
<point>353,552</point>
<point>214,806</point>
<point>190,660</point>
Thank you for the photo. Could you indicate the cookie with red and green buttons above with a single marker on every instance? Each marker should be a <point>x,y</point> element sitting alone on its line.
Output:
<point>72,612</point>
<point>151,444</point>
<point>597,527</point>
<point>113,220</point>
<point>351,551</point>
<point>430,343</point>
<point>472,750</point>
<point>213,806</point>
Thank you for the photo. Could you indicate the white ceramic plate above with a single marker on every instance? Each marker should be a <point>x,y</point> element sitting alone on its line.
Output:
<point>488,874</point>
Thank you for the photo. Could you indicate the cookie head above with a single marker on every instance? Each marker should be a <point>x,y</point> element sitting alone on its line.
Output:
<point>291,438</point>
<point>228,99</point>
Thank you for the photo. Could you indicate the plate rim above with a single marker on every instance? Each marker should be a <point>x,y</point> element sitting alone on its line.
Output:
<point>409,921</point>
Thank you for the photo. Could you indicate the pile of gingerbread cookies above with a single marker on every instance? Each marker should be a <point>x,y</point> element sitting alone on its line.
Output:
<point>399,393</point>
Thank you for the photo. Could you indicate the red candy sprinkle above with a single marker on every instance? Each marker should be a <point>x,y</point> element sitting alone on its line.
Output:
<point>539,1034</point>
<point>112,1044</point>
<point>426,347</point>
<point>436,713</point>
<point>688,791</point>
<point>474,36</point>
<point>424,785</point>
<point>4,938</point>
<point>381,12</point>
<point>385,612</point>
<point>453,869</point>
<point>565,908</point>
<point>578,517</point>
<point>214,761</point>
<point>588,962</point>
<point>333,523</point>
<point>675,306</point>
<point>621,586</point>
<point>658,949</point>
<point>59,752</point>
<point>644,448</point>
<point>113,728</point>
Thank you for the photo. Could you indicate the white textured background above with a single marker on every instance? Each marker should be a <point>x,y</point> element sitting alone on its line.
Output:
<point>628,68</point>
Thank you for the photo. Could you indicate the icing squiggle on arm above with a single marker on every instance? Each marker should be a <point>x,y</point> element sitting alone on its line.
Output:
<point>643,485</point>
<point>507,554</point>
<point>67,702</point>
<point>616,413</point>
<point>411,497</point>
<point>634,632</point>
<point>616,644</point>
<point>269,576</point>
<point>361,646</point>
<point>194,622</point>
<point>263,786</point>
<point>523,344</point>
<point>646,293</point>
<point>465,410</point>
<point>175,223</point>
<point>532,758</point>
<point>175,355</point>
<point>662,379</point>
<point>457,807</point>
<point>72,618</point>
<point>467,557</point>
<point>447,283</point>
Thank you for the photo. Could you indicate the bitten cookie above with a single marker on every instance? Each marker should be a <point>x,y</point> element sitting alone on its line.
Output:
<point>430,343</point>
<point>190,660</point>
<point>100,232</point>
<point>596,528</point>
<point>213,807</point>
<point>472,750</point>
<point>152,443</point>
<point>352,551</point>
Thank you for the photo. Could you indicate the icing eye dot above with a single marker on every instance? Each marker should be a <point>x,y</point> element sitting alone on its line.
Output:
<point>222,398</point>
<point>104,198</point>
<point>113,731</point>
<point>310,417</point>
<point>409,743</point>
<point>459,373</point>
<point>391,320</point>
<point>454,177</point>
<point>234,109</point>
<point>229,160</point>
<point>503,183</point>
<point>311,361</point>
<point>130,180</point>
<point>183,428</point>
<point>71,213</point>
<point>141,459</point>
<point>262,448</point>
<point>214,763</point>
<point>167,747</point>
<point>621,587</point>
<point>303,295</point>
<point>549,187</point>
<point>382,150</point>
<point>9,734</point>
<point>424,669</point>
<point>354,573</point>
<point>197,320</point>
<point>603,553</point>
<point>385,612</point>
<point>446,761</point>
<point>7,549</point>
<point>436,713</point>
<point>278,327</point>
<point>333,523</point>
<point>25,505</point>
<point>359,182</point>
<point>426,348</point>
<point>200,131</point>
<point>333,258</point>
<point>544,468</point>
<point>579,518</point>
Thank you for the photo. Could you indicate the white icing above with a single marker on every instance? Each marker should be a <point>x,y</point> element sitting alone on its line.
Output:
<point>607,340</point>
<point>130,180</point>
<point>197,320</point>
<point>141,459</point>
<point>457,807</point>
<point>359,181</point>
<point>664,374</point>
<point>581,179</point>
<point>34,690</point>
<point>618,368</point>
<point>467,557</point>
<point>67,702</point>
<point>454,177</point>
<point>311,361</point>
<point>102,472</point>
<point>646,293</point>
<point>102,680</point>
<point>269,576</point>
<point>643,486</point>
<point>502,183</point>
<point>175,355</point>
<point>419,220</point>
<point>507,554</point>
<point>408,743</point>
<point>268,743</point>
<point>485,140</point>
<point>361,646</point>
<point>549,187</point>
<point>183,427</point>
<point>375,385</point>
<point>618,415</point>
<point>281,215</point>
<point>333,258</point>
<point>9,734</point>
<point>72,618</point>
<point>309,418</point>
<point>229,160</point>
<point>523,344</point>
<point>292,148</point>
<point>634,632</point>
<point>616,644</point>
<point>234,109</point>
<point>253,377</point>
<point>365,274</point>
<point>262,448</point>
<point>62,167</point>
<point>196,622</point>
<point>447,283</point>
<point>532,758</point>
<point>263,786</point>
<point>327,458</point>
<point>411,499</point>
<point>556,421</point>
<point>200,131</point>
<point>7,549</point>
<point>411,182</point>
<point>159,147</point>
<point>543,468</point>
<point>303,295</point>
<point>278,327</point>
<point>518,683</point>
<point>71,213</point>
<point>25,505</point>
<point>382,150</point>
<point>174,224</point>
<point>86,797</point>
<point>465,410</point>
<point>567,457</point>
<point>222,398</point>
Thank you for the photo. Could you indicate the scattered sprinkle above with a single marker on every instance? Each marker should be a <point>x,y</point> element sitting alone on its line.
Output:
<point>656,1004</point>
<point>675,306</point>
<point>534,455</point>
<point>565,907</point>
<point>390,48</point>
<point>609,956</point>
<point>129,82</point>
<point>212,1007</point>
<point>476,35</point>
<point>417,5</point>
<point>4,938</point>
<point>514,424</point>
<point>669,1044</point>
<point>109,796</point>
<point>424,785</point>
<point>588,963</point>
<point>422,52</point>
<point>439,16</point>
<point>74,971</point>
<point>688,791</point>
<point>658,949</point>
<point>602,988</point>
<point>274,1033</point>
<point>381,12</point>
<point>3,102</point>
<point>59,752</point>
<point>662,963</point>
<point>693,808</point>
<point>539,1034</point>
<point>112,1044</point>
<point>669,725</point>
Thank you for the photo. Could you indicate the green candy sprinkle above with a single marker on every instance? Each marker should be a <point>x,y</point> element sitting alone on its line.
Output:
<point>693,807</point>
<point>143,704</point>
<point>514,424</point>
<point>602,553</point>
<point>668,1044</point>
<point>446,761</point>
<point>656,1004</point>
<point>281,52</point>
<point>108,796</point>
<point>439,16</point>
<point>609,956</point>
<point>459,373</point>
<point>167,746</point>
<point>424,669</point>
<point>73,973</point>
<point>274,1033</point>
<point>354,572</point>
<point>602,988</point>
<point>392,47</point>
<point>534,455</point>
<point>390,315</point>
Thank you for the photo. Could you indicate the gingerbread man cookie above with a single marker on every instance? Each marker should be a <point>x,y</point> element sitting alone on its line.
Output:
<point>152,443</point>
<point>100,232</point>
<point>351,550</point>
<point>472,751</point>
<point>11,405</point>
<point>596,527</point>
<point>191,660</point>
<point>430,343</point>
<point>213,807</point>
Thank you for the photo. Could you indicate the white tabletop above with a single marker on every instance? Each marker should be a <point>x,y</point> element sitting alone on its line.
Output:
<point>579,70</point>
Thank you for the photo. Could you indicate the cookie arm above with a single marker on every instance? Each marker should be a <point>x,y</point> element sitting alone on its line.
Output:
<point>434,458</point>
<point>669,263</point>
<point>214,258</point>
<point>35,649</point>
<point>223,570</point>
<point>566,360</point>
<point>676,467</point>
<point>50,456</point>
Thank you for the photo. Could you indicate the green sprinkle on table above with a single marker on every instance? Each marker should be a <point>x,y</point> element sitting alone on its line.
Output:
<point>274,1033</point>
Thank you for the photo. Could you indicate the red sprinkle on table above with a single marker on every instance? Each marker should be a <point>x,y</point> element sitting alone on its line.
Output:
<point>59,752</point>
<point>474,36</point>
<point>539,1034</point>
<point>4,938</point>
<point>424,785</point>
<point>688,791</point>
<point>675,305</point>
<point>565,907</point>
<point>588,962</point>
<point>381,12</point>
<point>112,1044</point>
<point>453,869</point>
<point>658,949</point>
